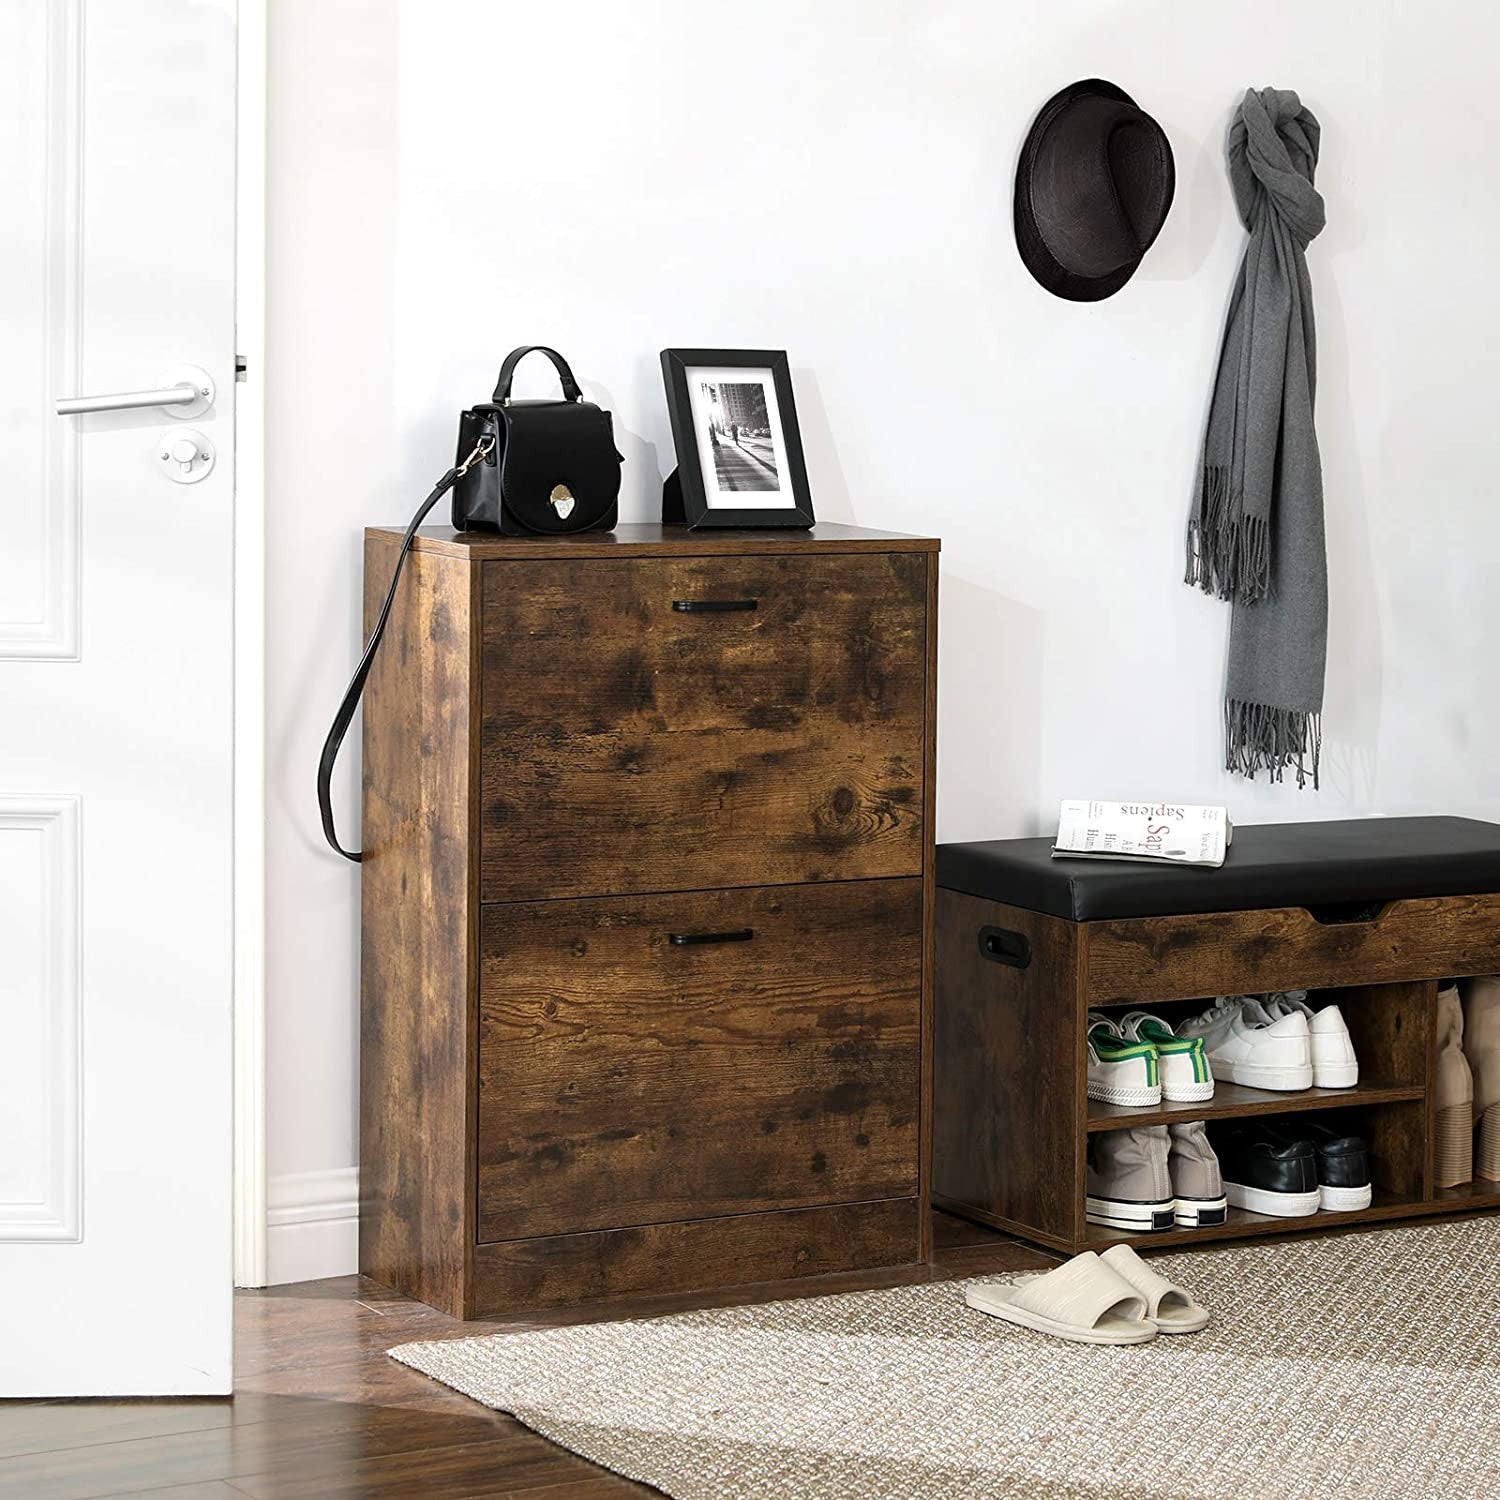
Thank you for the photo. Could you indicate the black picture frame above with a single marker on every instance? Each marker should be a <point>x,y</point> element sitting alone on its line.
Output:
<point>703,503</point>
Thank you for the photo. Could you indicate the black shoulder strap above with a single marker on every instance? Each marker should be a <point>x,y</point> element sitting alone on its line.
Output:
<point>356,688</point>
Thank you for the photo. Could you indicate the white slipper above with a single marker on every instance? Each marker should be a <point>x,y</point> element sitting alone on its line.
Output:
<point>1083,1300</point>
<point>1167,1305</point>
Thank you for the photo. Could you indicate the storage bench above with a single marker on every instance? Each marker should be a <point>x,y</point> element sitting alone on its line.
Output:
<point>1378,910</point>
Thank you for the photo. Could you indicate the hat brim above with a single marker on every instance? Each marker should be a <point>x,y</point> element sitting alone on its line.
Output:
<point>1035,255</point>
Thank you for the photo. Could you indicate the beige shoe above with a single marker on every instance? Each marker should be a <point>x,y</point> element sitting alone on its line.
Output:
<point>1454,1095</point>
<point>1481,1038</point>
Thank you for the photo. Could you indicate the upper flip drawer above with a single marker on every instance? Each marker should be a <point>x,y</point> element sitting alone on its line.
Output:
<point>663,724</point>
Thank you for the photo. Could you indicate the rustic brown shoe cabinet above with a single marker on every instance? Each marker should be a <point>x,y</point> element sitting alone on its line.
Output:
<point>1013,986</point>
<point>647,903</point>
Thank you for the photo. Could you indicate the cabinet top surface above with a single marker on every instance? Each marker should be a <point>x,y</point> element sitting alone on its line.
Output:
<point>656,540</point>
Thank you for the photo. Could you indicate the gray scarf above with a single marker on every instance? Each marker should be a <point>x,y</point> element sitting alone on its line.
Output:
<point>1256,533</point>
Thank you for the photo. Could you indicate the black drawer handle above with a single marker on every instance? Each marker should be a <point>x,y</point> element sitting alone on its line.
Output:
<point>712,606</point>
<point>1005,947</point>
<point>692,939</point>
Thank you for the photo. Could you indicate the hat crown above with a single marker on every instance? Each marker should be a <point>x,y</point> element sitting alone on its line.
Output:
<point>1096,186</point>
<point>1096,181</point>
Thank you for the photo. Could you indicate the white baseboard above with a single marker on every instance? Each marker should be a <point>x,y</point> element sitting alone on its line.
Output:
<point>313,1225</point>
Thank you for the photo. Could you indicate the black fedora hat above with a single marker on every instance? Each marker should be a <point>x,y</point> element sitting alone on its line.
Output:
<point>1093,187</point>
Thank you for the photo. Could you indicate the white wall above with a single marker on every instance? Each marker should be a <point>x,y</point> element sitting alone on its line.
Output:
<point>452,177</point>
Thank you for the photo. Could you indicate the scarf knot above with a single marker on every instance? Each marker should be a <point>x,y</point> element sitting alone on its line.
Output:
<point>1273,153</point>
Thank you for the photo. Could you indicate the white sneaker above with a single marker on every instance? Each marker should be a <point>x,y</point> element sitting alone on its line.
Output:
<point>1181,1060</point>
<point>1334,1063</point>
<point>1247,1046</point>
<point>1120,1071</point>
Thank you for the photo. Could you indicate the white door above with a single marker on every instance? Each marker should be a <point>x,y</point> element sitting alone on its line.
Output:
<point>117,134</point>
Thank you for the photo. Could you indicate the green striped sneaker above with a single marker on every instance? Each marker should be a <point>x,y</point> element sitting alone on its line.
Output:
<point>1122,1070</point>
<point>1185,1073</point>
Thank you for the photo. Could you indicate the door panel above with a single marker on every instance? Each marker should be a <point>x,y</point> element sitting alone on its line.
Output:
<point>41,149</point>
<point>117,139</point>
<point>40,1003</point>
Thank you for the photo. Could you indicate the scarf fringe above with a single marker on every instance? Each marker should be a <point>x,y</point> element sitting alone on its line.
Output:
<point>1261,738</point>
<point>1228,552</point>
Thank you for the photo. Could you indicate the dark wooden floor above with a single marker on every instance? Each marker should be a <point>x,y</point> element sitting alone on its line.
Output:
<point>320,1411</point>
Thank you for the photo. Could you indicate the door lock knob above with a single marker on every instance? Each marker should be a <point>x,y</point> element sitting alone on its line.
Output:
<point>187,457</point>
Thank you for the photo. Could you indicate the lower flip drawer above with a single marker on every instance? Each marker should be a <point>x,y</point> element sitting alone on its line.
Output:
<point>649,1059</point>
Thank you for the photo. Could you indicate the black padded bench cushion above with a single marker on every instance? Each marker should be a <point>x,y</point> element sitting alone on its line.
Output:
<point>1268,865</point>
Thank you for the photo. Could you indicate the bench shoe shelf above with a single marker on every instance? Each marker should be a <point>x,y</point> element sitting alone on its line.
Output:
<point>1024,949</point>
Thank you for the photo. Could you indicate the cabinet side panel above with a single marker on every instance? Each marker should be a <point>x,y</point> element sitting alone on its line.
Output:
<point>929,903</point>
<point>1005,1099</point>
<point>415,1018</point>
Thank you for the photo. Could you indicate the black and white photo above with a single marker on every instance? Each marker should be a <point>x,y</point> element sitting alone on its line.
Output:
<point>738,447</point>
<point>732,419</point>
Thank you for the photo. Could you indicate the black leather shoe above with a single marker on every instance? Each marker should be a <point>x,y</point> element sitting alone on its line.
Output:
<point>1265,1174</point>
<point>1343,1161</point>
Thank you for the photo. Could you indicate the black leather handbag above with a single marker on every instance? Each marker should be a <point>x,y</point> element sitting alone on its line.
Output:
<point>551,466</point>
<point>524,468</point>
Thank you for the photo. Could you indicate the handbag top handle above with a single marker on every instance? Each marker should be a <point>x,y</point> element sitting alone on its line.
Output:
<point>570,388</point>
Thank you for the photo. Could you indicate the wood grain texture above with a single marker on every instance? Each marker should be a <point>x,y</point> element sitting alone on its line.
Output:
<point>651,539</point>
<point>1242,1224</point>
<point>972,1213</point>
<point>1235,1101</point>
<point>1008,1123</point>
<point>416,1010</point>
<point>1225,953</point>
<point>1397,1139</point>
<point>1430,1187</point>
<point>1391,1027</point>
<point>653,1259</point>
<point>1480,1193</point>
<point>625,1080</point>
<point>630,747</point>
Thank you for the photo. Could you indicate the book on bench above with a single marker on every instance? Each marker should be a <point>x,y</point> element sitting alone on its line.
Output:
<point>1148,832</point>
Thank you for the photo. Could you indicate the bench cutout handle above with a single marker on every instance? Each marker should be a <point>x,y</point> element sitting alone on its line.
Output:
<point>1346,913</point>
<point>1003,946</point>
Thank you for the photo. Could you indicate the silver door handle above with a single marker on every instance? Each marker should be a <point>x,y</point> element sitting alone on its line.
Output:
<point>191,387</point>
<point>176,395</point>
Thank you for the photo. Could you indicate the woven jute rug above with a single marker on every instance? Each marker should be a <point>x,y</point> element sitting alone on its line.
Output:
<point>1359,1365</point>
